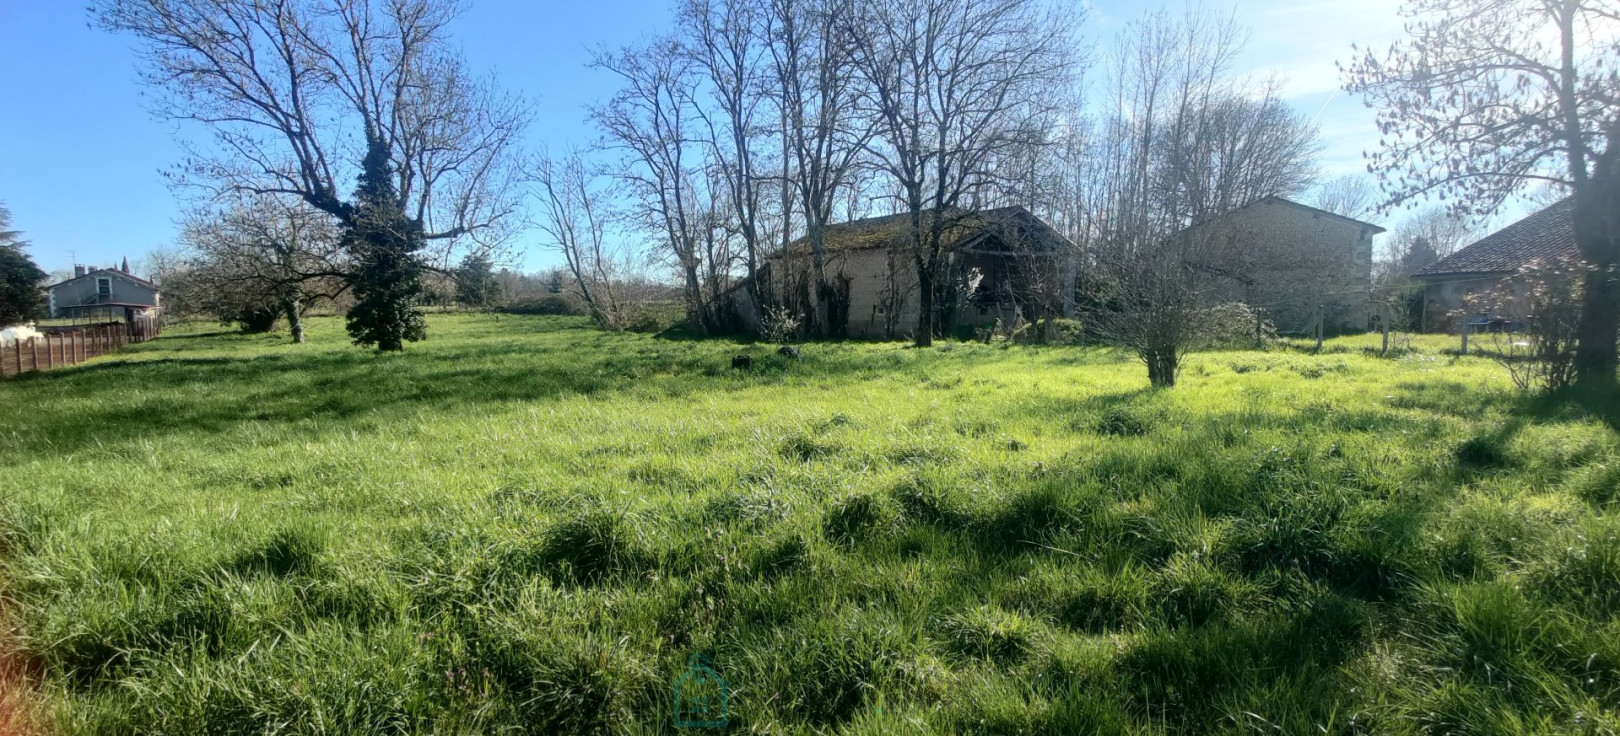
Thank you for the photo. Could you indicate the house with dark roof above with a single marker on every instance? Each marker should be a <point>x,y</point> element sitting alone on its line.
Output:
<point>104,295</point>
<point>1005,264</point>
<point>1493,261</point>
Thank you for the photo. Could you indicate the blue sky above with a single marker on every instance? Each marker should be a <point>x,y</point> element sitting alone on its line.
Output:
<point>81,158</point>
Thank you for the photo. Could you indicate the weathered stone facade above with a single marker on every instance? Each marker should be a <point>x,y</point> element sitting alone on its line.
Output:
<point>1292,260</point>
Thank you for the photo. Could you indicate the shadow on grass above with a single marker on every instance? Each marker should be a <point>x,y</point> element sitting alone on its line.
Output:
<point>1572,404</point>
<point>166,387</point>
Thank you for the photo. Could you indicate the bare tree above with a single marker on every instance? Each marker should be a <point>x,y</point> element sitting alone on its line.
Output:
<point>1489,97</point>
<point>810,56</point>
<point>574,217</point>
<point>1438,229</point>
<point>1351,195</point>
<point>651,121</point>
<point>726,49</point>
<point>950,85</point>
<point>261,258</point>
<point>1183,141</point>
<point>285,86</point>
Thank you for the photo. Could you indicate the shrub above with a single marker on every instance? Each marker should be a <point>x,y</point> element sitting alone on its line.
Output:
<point>1233,325</point>
<point>1545,298</point>
<point>653,318</point>
<point>778,325</point>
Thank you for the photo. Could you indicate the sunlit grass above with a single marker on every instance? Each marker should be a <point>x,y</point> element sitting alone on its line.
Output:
<point>525,525</point>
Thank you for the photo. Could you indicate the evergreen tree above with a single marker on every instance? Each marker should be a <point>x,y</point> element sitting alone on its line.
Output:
<point>385,243</point>
<point>475,282</point>
<point>20,297</point>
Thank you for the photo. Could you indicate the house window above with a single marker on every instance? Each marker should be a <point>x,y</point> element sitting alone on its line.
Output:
<point>103,287</point>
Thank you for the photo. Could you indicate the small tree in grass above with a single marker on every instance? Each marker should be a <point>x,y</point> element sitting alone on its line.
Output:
<point>388,278</point>
<point>1544,299</point>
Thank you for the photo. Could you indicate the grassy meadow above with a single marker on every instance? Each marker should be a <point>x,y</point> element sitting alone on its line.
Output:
<point>525,525</point>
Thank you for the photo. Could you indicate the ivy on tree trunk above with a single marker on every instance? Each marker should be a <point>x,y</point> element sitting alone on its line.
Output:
<point>386,245</point>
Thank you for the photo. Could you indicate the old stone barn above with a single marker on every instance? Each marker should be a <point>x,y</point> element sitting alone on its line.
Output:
<point>1004,264</point>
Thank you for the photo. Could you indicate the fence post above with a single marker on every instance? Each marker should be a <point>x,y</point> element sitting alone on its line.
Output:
<point>17,346</point>
<point>1321,316</point>
<point>33,350</point>
<point>1383,320</point>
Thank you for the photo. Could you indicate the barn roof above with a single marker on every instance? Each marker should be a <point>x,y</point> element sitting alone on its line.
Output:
<point>1549,233</point>
<point>964,229</point>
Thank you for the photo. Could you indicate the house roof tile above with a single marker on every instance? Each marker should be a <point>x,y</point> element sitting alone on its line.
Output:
<point>1549,233</point>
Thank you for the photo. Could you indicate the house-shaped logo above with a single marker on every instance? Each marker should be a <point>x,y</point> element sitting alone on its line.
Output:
<point>700,696</point>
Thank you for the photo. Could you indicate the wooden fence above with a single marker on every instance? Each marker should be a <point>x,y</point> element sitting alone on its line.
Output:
<point>71,347</point>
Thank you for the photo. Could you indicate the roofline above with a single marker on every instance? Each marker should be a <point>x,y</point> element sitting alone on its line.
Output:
<point>1319,211</point>
<point>1452,274</point>
<point>113,271</point>
<point>126,305</point>
<point>1569,200</point>
<point>1013,210</point>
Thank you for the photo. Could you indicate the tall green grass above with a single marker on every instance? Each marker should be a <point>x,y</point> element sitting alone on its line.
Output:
<point>524,525</point>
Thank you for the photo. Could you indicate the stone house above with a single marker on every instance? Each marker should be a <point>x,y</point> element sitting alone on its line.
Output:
<point>104,295</point>
<point>1292,261</point>
<point>1492,261</point>
<point>1004,264</point>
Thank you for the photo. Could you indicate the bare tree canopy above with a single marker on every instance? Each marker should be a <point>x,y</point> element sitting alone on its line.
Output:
<point>1441,230</point>
<point>574,218</point>
<point>259,259</point>
<point>950,86</point>
<point>293,91</point>
<point>1188,143</point>
<point>650,122</point>
<point>1490,97</point>
<point>1353,195</point>
<point>823,136</point>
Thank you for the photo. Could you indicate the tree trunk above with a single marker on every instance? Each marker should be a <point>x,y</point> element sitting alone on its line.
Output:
<point>694,295</point>
<point>295,321</point>
<point>925,313</point>
<point>1596,359</point>
<point>1161,365</point>
<point>818,289</point>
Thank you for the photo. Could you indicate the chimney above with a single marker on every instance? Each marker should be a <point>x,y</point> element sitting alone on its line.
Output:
<point>78,270</point>
<point>125,268</point>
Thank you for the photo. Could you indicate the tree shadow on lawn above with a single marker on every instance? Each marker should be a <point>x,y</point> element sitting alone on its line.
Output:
<point>1571,405</point>
<point>138,398</point>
